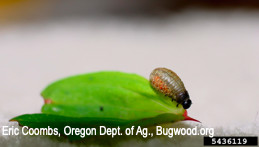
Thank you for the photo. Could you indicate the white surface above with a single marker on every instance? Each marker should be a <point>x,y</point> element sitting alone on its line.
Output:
<point>216,54</point>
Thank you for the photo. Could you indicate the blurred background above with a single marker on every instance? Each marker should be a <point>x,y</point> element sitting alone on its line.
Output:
<point>31,11</point>
<point>213,45</point>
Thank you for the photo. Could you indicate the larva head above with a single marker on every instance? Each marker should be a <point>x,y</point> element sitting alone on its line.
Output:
<point>187,103</point>
<point>184,99</point>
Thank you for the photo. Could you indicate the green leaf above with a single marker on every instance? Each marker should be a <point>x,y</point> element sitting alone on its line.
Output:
<point>107,95</point>
<point>109,99</point>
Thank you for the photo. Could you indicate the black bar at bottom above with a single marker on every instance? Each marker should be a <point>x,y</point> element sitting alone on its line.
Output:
<point>231,141</point>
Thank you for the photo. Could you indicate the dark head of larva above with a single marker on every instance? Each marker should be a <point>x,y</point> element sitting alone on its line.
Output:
<point>184,99</point>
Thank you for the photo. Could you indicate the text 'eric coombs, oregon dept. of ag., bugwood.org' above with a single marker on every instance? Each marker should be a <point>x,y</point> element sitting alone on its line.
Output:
<point>102,130</point>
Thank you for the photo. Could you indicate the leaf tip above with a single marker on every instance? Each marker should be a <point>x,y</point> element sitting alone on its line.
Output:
<point>12,120</point>
<point>186,117</point>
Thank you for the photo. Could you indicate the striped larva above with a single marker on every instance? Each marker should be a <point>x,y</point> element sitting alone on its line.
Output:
<point>168,83</point>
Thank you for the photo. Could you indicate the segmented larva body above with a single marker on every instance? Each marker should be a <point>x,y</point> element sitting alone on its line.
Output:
<point>168,83</point>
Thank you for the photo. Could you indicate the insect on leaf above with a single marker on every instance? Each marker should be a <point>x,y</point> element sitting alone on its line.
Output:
<point>107,95</point>
<point>106,98</point>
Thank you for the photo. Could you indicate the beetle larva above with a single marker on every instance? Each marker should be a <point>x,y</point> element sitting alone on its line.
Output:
<point>168,83</point>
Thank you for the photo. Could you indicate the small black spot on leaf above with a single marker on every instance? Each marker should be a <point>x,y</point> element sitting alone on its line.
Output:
<point>101,108</point>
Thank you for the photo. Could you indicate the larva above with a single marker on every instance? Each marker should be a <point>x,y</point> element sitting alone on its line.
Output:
<point>168,83</point>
